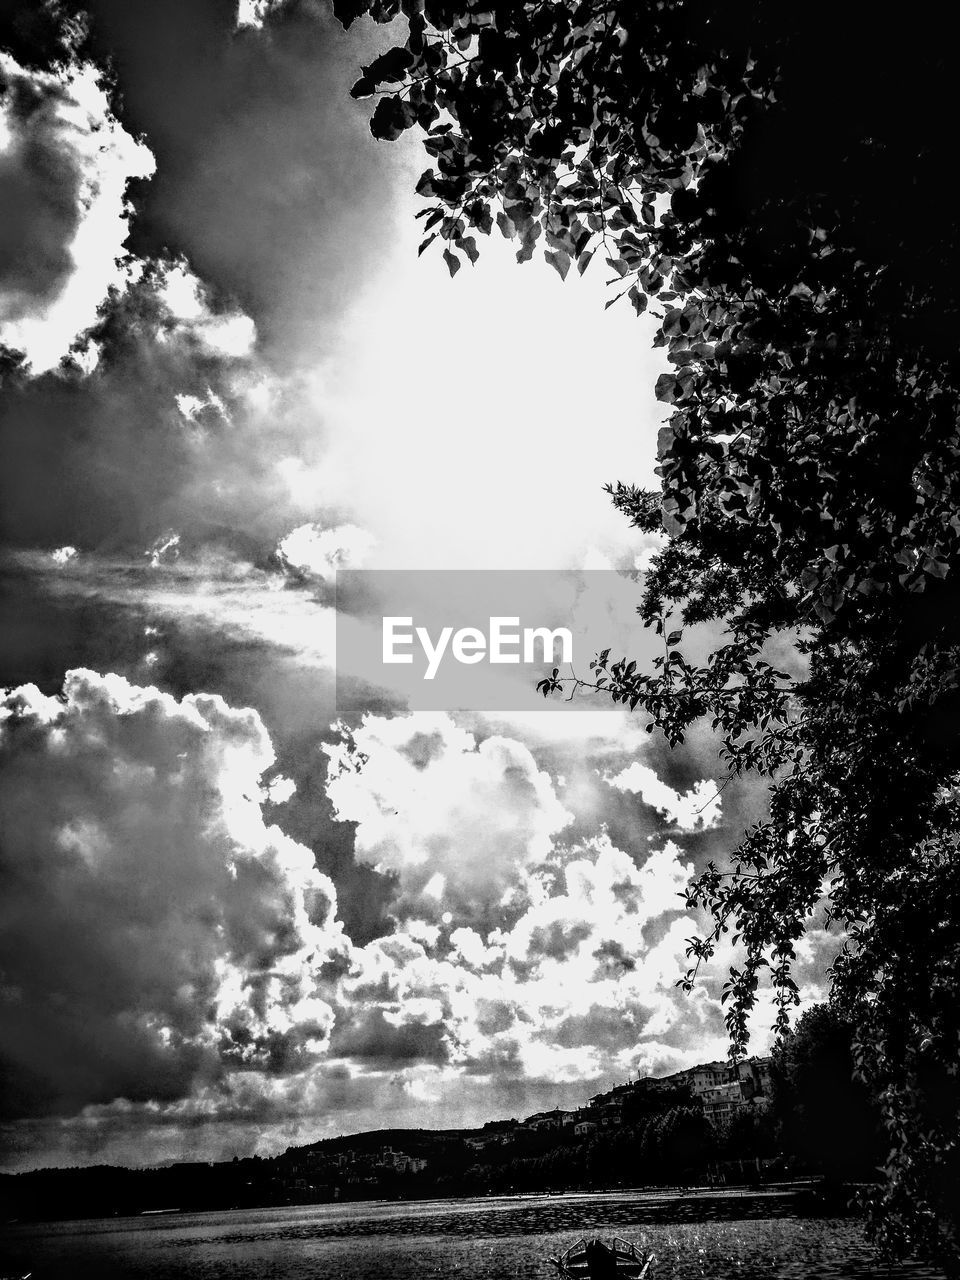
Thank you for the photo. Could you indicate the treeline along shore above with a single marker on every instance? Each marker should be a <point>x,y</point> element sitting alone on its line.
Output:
<point>797,1115</point>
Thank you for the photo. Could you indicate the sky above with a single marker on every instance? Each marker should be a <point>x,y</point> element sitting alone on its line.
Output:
<point>236,914</point>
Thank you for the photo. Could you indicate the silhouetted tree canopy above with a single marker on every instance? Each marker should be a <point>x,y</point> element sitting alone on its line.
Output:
<point>774,179</point>
<point>826,1116</point>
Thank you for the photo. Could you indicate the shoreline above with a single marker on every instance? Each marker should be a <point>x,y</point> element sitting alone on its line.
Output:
<point>807,1197</point>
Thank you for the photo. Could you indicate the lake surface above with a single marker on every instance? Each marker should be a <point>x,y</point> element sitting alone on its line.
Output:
<point>751,1237</point>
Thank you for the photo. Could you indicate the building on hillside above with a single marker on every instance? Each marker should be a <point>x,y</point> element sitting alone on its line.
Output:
<point>617,1094</point>
<point>721,1102</point>
<point>585,1128</point>
<point>545,1120</point>
<point>754,1073</point>
<point>399,1160</point>
<point>503,1136</point>
<point>711,1075</point>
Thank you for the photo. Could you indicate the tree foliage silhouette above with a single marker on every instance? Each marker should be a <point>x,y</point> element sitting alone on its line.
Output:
<point>774,180</point>
<point>826,1117</point>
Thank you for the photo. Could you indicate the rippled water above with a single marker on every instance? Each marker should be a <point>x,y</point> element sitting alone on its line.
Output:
<point>750,1237</point>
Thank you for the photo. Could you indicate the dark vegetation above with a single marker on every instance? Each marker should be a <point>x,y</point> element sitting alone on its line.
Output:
<point>771,181</point>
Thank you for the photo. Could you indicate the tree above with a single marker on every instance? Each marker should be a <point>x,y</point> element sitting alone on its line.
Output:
<point>826,1116</point>
<point>686,1143</point>
<point>771,178</point>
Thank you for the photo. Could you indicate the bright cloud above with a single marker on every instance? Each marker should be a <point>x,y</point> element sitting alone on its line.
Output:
<point>253,13</point>
<point>695,810</point>
<point>578,960</point>
<point>156,932</point>
<point>317,552</point>
<point>430,801</point>
<point>65,163</point>
<point>225,332</point>
<point>572,984</point>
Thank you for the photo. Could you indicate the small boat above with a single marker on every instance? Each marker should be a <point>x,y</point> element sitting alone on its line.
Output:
<point>594,1260</point>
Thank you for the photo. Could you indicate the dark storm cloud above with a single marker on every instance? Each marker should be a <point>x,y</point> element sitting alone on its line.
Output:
<point>267,181</point>
<point>40,180</point>
<point>112,460</point>
<point>124,622</point>
<point>371,1037</point>
<point>154,932</point>
<point>267,176</point>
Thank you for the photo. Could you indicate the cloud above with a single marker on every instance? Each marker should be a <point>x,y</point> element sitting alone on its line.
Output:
<point>268,179</point>
<point>65,162</point>
<point>313,551</point>
<point>181,429</point>
<point>209,999</point>
<point>254,13</point>
<point>156,931</point>
<point>694,810</point>
<point>227,333</point>
<point>540,958</point>
<point>211,595</point>
<point>248,412</point>
<point>604,904</point>
<point>454,819</point>
<point>581,972</point>
<point>597,953</point>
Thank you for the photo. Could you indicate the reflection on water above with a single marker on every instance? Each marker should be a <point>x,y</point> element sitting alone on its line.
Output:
<point>748,1237</point>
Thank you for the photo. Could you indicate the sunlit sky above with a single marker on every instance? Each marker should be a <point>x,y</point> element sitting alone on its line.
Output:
<point>234,924</point>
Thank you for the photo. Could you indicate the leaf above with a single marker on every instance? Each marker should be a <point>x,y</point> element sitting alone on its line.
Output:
<point>560,261</point>
<point>391,66</point>
<point>452,261</point>
<point>526,252</point>
<point>507,226</point>
<point>346,12</point>
<point>391,117</point>
<point>468,245</point>
<point>425,186</point>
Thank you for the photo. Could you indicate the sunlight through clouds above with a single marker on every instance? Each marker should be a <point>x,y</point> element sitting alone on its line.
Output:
<point>254,910</point>
<point>694,810</point>
<point>66,248</point>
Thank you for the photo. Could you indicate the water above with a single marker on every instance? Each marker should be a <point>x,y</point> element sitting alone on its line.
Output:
<point>492,1238</point>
